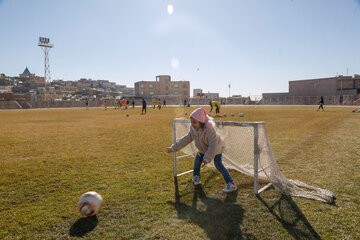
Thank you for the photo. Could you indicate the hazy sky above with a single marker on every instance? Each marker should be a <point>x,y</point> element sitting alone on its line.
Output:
<point>256,46</point>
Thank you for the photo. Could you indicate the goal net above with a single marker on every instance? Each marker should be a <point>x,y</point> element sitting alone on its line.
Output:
<point>248,150</point>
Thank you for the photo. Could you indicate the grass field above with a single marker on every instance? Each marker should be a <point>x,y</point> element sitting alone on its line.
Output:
<point>50,157</point>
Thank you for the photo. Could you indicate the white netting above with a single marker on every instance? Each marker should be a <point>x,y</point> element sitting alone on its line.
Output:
<point>240,148</point>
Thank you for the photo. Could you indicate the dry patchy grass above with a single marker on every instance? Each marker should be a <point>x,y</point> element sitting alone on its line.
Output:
<point>50,157</point>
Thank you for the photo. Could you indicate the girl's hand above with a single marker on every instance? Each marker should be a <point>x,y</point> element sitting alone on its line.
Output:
<point>168,150</point>
<point>204,163</point>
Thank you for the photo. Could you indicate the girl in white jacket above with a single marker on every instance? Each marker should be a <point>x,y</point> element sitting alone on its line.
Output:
<point>210,146</point>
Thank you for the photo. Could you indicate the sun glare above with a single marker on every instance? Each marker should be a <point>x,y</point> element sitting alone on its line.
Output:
<point>170,9</point>
<point>175,63</point>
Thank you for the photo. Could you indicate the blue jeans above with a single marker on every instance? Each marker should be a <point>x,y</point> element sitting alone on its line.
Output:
<point>218,164</point>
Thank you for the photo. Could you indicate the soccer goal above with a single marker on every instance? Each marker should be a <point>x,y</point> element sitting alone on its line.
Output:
<point>248,150</point>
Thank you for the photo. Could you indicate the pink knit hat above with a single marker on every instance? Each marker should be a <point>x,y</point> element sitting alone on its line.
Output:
<point>201,116</point>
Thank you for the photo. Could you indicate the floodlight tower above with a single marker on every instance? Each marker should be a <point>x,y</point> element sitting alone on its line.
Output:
<point>45,45</point>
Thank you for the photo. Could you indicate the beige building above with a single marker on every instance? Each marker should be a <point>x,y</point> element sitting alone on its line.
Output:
<point>340,85</point>
<point>197,93</point>
<point>339,90</point>
<point>163,88</point>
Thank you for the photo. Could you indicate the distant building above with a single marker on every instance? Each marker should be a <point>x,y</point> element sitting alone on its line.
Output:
<point>84,88</point>
<point>5,82</point>
<point>5,89</point>
<point>210,95</point>
<point>279,94</point>
<point>26,82</point>
<point>163,88</point>
<point>126,91</point>
<point>335,90</point>
<point>255,98</point>
<point>197,93</point>
<point>27,74</point>
<point>340,85</point>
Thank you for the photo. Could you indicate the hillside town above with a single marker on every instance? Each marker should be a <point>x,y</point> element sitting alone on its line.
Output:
<point>33,87</point>
<point>27,90</point>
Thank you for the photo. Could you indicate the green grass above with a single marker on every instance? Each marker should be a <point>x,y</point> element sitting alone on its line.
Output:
<point>50,157</point>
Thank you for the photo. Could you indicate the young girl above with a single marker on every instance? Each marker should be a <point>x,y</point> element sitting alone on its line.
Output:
<point>210,146</point>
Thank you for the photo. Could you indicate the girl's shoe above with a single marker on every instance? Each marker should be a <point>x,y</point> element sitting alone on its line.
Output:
<point>230,187</point>
<point>196,180</point>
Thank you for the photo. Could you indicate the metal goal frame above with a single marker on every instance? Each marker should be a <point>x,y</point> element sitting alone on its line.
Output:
<point>254,125</point>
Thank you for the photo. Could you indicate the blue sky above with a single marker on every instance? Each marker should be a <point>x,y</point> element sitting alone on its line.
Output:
<point>256,46</point>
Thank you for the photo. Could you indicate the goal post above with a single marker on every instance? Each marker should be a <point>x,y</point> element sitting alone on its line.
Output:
<point>248,150</point>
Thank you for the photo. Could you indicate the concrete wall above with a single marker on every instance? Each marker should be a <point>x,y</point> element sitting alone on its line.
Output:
<point>47,104</point>
<point>8,105</point>
<point>175,100</point>
<point>313,87</point>
<point>282,100</point>
<point>268,95</point>
<point>224,101</point>
<point>309,100</point>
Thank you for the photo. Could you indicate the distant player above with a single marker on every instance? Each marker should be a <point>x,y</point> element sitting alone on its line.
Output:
<point>124,104</point>
<point>105,105</point>
<point>210,145</point>
<point>87,104</point>
<point>164,103</point>
<point>217,106</point>
<point>159,104</point>
<point>185,102</point>
<point>115,104</point>
<point>133,103</point>
<point>154,102</point>
<point>143,109</point>
<point>321,103</point>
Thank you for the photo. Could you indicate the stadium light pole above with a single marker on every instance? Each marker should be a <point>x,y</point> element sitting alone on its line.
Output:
<point>45,45</point>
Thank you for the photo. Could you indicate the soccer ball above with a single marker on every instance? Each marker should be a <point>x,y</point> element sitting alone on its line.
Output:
<point>232,114</point>
<point>89,203</point>
<point>127,114</point>
<point>224,114</point>
<point>241,114</point>
<point>185,113</point>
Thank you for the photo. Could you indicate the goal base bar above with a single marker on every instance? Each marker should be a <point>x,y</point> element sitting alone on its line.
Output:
<point>178,175</point>
<point>183,173</point>
<point>263,189</point>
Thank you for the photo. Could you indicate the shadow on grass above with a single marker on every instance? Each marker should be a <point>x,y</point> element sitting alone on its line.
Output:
<point>293,220</point>
<point>219,219</point>
<point>83,225</point>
